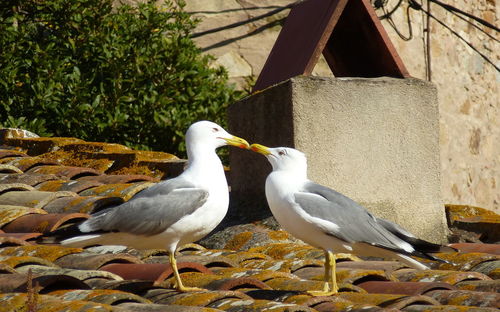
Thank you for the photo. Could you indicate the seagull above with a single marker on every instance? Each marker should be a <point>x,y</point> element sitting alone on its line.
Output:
<point>172,212</point>
<point>331,221</point>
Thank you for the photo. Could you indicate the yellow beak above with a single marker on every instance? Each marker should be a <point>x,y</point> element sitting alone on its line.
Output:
<point>261,149</point>
<point>238,142</point>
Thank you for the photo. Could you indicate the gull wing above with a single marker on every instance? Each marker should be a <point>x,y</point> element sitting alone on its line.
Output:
<point>151,211</point>
<point>419,244</point>
<point>345,219</point>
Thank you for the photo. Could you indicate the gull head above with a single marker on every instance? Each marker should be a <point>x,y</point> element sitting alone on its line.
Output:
<point>283,158</point>
<point>211,134</point>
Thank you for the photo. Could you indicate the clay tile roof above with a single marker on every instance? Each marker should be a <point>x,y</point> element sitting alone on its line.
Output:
<point>50,184</point>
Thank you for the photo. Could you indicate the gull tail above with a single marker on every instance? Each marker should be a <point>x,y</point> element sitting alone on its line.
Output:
<point>423,249</point>
<point>412,262</point>
<point>82,241</point>
<point>81,234</point>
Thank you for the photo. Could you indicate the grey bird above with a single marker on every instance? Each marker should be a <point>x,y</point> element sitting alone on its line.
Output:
<point>329,220</point>
<point>173,212</point>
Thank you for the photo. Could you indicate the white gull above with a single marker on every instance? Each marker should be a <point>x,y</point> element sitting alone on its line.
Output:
<point>331,221</point>
<point>172,212</point>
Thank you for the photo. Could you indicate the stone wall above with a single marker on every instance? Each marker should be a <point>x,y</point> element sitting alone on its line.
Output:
<point>468,87</point>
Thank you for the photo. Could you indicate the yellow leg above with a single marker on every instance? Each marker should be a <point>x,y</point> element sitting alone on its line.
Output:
<point>178,283</point>
<point>330,277</point>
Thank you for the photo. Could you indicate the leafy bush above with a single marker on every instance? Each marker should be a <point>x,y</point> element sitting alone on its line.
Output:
<point>128,75</point>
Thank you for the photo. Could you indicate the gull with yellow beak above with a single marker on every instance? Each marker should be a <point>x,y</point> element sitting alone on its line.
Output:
<point>329,220</point>
<point>173,212</point>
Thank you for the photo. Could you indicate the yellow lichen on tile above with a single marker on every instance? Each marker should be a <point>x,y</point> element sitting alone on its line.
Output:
<point>9,213</point>
<point>464,261</point>
<point>76,159</point>
<point>238,240</point>
<point>123,190</point>
<point>458,212</point>
<point>50,253</point>
<point>141,170</point>
<point>18,261</point>
<point>278,235</point>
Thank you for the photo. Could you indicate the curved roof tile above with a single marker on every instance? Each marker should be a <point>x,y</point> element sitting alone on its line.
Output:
<point>43,223</point>
<point>75,186</point>
<point>268,269</point>
<point>9,213</point>
<point>111,297</point>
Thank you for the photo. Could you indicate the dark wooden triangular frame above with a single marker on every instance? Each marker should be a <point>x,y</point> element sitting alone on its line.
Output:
<point>347,32</point>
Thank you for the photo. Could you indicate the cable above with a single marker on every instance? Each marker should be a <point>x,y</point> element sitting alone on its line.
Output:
<point>236,10</point>
<point>417,6</point>
<point>237,24</point>
<point>469,22</point>
<point>393,25</point>
<point>452,8</point>
<point>254,32</point>
<point>381,4</point>
<point>427,41</point>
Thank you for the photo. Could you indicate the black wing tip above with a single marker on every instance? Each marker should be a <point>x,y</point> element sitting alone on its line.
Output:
<point>428,247</point>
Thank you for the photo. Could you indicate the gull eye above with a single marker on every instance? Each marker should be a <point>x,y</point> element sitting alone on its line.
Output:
<point>282,152</point>
<point>215,129</point>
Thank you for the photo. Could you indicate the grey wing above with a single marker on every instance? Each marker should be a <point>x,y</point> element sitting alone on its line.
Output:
<point>419,244</point>
<point>165,187</point>
<point>353,223</point>
<point>152,212</point>
<point>395,229</point>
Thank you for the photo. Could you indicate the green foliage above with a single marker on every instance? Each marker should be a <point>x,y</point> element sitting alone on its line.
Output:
<point>128,75</point>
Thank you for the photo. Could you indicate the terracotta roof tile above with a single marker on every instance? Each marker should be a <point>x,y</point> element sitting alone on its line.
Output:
<point>5,168</point>
<point>9,213</point>
<point>481,285</point>
<point>450,308</point>
<point>67,185</point>
<point>49,184</point>
<point>483,222</point>
<point>290,266</point>
<point>27,163</point>
<point>64,172</point>
<point>466,298</point>
<point>403,288</point>
<point>7,153</point>
<point>32,199</point>
<point>123,190</point>
<point>20,261</point>
<point>4,188</point>
<point>37,146</point>
<point>16,239</point>
<point>81,275</point>
<point>204,298</point>
<point>389,300</point>
<point>82,204</point>
<point>92,261</point>
<point>135,307</point>
<point>493,249</point>
<point>216,281</point>
<point>17,282</point>
<point>152,271</point>
<point>451,277</point>
<point>26,178</point>
<point>51,253</point>
<point>111,297</point>
<point>258,305</point>
<point>207,261</point>
<point>42,223</point>
<point>117,178</point>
